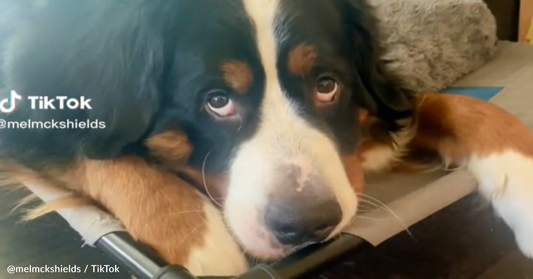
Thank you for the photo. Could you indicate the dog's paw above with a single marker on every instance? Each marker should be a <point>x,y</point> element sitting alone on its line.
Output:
<point>506,179</point>
<point>493,145</point>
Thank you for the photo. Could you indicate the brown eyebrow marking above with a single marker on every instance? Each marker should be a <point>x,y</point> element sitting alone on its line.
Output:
<point>301,59</point>
<point>237,75</point>
<point>171,147</point>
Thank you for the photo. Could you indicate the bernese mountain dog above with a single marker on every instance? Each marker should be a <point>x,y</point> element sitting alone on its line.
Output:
<point>227,128</point>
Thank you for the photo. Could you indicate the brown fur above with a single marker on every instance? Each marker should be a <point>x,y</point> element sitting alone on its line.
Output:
<point>215,187</point>
<point>159,209</point>
<point>373,131</point>
<point>237,75</point>
<point>352,166</point>
<point>457,126</point>
<point>170,148</point>
<point>301,60</point>
<point>447,130</point>
<point>156,207</point>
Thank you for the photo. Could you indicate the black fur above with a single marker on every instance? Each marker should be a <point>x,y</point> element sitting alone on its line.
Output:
<point>384,98</point>
<point>148,66</point>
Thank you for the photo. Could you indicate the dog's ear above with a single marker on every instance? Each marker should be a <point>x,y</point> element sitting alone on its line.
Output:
<point>381,94</point>
<point>104,51</point>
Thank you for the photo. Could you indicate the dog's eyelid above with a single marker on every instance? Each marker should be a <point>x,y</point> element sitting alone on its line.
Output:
<point>207,92</point>
<point>332,72</point>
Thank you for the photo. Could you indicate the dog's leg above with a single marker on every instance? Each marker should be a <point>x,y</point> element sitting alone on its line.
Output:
<point>492,145</point>
<point>161,211</point>
<point>166,213</point>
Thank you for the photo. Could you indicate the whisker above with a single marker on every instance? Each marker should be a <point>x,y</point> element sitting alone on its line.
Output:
<point>366,206</point>
<point>192,231</point>
<point>387,208</point>
<point>360,212</point>
<point>205,182</point>
<point>369,203</point>
<point>369,218</point>
<point>240,125</point>
<point>254,260</point>
<point>362,208</point>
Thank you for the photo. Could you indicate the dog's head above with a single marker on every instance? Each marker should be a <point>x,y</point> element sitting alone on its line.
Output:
<point>267,92</point>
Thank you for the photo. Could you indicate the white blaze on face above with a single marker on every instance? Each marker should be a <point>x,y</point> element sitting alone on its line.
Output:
<point>283,137</point>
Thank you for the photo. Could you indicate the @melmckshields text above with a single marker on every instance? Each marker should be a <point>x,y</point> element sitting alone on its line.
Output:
<point>53,124</point>
<point>44,269</point>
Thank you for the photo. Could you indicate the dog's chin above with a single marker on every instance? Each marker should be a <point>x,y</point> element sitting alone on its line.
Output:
<point>263,249</point>
<point>259,244</point>
<point>255,239</point>
<point>267,250</point>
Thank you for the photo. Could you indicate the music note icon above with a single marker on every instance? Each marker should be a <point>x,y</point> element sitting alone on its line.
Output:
<point>8,105</point>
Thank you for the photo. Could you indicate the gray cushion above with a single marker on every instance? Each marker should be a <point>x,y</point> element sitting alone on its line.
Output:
<point>430,44</point>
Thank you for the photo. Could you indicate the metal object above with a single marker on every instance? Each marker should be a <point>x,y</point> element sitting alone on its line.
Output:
<point>143,264</point>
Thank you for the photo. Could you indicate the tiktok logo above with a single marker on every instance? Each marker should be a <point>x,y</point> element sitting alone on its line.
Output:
<point>8,105</point>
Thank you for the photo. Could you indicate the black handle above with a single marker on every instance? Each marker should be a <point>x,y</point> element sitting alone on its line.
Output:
<point>144,264</point>
<point>141,263</point>
<point>307,259</point>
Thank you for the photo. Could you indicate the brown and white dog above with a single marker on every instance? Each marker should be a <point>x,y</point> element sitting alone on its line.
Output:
<point>270,108</point>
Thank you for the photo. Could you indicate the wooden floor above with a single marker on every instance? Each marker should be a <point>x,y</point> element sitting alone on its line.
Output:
<point>464,241</point>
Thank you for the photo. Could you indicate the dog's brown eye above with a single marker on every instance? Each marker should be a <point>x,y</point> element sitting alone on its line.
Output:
<point>326,89</point>
<point>221,105</point>
<point>218,102</point>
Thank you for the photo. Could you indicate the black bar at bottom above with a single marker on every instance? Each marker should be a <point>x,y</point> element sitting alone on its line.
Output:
<point>143,264</point>
<point>305,260</point>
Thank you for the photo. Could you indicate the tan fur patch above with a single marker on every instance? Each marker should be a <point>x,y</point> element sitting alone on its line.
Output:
<point>171,148</point>
<point>354,171</point>
<point>237,75</point>
<point>156,208</point>
<point>301,60</point>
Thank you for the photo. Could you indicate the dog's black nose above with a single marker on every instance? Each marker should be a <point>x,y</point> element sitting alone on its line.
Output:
<point>303,221</point>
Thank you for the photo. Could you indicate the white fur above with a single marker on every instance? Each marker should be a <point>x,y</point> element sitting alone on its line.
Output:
<point>378,158</point>
<point>282,138</point>
<point>382,157</point>
<point>507,180</point>
<point>220,255</point>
